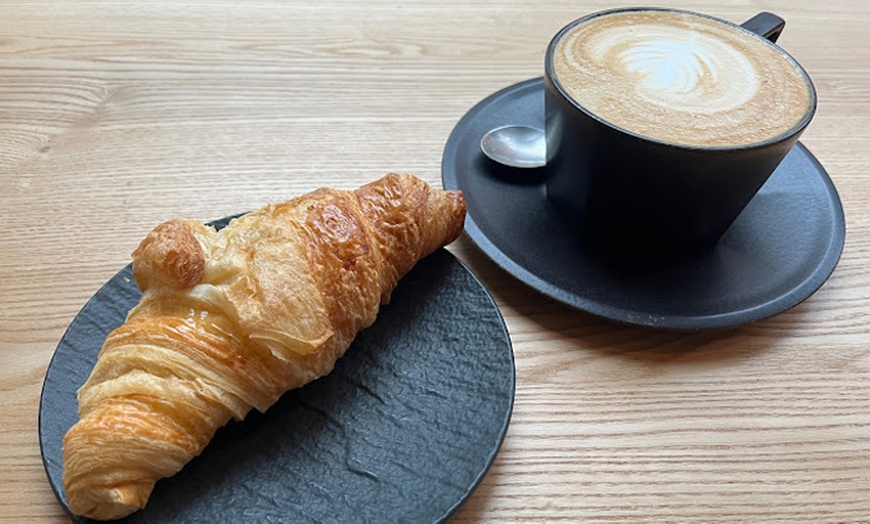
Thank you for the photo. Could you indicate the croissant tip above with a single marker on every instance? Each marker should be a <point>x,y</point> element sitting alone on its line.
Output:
<point>170,254</point>
<point>457,198</point>
<point>110,508</point>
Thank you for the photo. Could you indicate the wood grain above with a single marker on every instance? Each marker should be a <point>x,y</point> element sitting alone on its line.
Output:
<point>115,116</point>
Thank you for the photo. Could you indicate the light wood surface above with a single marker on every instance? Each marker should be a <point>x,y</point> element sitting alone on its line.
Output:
<point>115,116</point>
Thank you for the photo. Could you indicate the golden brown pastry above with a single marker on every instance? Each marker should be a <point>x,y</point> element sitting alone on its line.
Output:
<point>231,319</point>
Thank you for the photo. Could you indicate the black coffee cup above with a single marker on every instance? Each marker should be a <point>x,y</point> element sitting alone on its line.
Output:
<point>628,192</point>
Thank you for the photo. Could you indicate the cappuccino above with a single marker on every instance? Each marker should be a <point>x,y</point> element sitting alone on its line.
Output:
<point>681,78</point>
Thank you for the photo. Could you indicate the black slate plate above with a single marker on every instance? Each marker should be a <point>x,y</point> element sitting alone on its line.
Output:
<point>402,430</point>
<point>778,252</point>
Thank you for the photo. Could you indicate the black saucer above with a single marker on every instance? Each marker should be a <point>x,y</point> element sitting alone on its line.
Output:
<point>403,429</point>
<point>777,253</point>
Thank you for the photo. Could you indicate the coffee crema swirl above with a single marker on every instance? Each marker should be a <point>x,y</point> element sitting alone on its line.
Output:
<point>681,78</point>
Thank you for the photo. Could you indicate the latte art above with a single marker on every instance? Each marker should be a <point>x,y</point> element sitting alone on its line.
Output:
<point>678,70</point>
<point>681,78</point>
<point>671,66</point>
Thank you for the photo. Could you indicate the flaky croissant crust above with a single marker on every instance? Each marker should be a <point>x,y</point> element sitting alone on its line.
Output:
<point>229,320</point>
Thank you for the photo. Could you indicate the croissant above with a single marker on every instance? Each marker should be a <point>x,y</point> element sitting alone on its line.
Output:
<point>231,319</point>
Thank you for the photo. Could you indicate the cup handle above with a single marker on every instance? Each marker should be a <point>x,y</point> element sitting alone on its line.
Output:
<point>765,24</point>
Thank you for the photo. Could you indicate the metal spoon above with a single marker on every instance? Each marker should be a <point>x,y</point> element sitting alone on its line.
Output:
<point>515,146</point>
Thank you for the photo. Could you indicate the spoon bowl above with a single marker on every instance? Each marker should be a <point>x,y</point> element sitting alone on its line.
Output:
<point>515,146</point>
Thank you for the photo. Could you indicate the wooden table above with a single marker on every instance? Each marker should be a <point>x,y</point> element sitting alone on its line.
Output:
<point>115,116</point>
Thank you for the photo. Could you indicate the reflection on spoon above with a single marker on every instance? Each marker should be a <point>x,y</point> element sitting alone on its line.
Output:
<point>515,146</point>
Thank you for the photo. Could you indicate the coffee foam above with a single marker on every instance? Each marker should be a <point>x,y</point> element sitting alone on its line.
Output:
<point>681,78</point>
